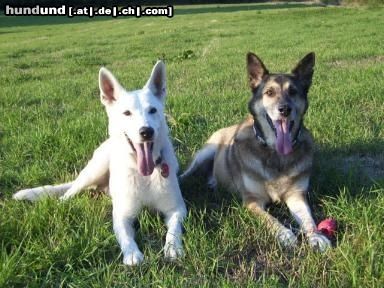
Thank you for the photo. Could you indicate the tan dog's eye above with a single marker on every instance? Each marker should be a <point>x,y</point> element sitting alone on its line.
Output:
<point>127,113</point>
<point>269,92</point>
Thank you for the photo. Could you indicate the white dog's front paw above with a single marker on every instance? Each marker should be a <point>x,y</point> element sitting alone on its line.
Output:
<point>319,242</point>
<point>133,257</point>
<point>20,195</point>
<point>286,238</point>
<point>66,196</point>
<point>173,250</point>
<point>26,194</point>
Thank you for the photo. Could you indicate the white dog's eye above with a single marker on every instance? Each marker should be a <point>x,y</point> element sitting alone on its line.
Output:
<point>127,113</point>
<point>152,110</point>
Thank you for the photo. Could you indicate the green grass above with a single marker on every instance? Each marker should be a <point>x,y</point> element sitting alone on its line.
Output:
<point>52,120</point>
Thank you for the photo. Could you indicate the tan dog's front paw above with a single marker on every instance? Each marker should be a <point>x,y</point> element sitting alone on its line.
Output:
<point>319,242</point>
<point>286,238</point>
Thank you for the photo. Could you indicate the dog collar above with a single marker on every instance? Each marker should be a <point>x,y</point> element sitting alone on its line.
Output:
<point>259,133</point>
<point>158,160</point>
<point>296,139</point>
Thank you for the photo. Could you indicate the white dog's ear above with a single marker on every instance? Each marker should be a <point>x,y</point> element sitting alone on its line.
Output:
<point>109,86</point>
<point>157,82</point>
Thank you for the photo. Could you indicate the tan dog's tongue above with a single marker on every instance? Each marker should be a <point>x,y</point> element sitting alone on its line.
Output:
<point>145,163</point>
<point>283,141</point>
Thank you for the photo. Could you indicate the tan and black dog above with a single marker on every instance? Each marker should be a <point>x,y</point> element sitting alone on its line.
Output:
<point>268,157</point>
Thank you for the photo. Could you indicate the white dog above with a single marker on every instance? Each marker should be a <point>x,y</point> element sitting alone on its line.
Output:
<point>137,163</point>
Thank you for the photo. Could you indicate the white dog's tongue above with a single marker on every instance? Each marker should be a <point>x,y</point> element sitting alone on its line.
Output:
<point>283,142</point>
<point>145,162</point>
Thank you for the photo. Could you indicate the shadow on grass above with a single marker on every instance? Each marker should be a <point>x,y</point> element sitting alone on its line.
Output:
<point>227,8</point>
<point>357,167</point>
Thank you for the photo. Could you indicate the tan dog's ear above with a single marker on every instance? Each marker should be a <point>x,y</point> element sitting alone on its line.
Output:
<point>157,82</point>
<point>109,86</point>
<point>256,70</point>
<point>304,70</point>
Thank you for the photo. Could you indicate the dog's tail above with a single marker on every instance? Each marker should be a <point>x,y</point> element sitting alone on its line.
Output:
<point>202,163</point>
<point>34,194</point>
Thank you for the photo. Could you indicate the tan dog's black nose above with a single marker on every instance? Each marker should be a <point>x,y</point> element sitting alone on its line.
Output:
<point>146,133</point>
<point>284,110</point>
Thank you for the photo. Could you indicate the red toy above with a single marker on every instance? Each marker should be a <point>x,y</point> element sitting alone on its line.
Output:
<point>328,227</point>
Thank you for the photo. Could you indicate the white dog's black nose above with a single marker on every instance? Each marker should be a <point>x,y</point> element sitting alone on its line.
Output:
<point>146,133</point>
<point>284,110</point>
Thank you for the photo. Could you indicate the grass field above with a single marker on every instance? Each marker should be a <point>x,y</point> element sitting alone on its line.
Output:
<point>52,120</point>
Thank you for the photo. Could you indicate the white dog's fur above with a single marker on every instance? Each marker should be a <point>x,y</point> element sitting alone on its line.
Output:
<point>130,166</point>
